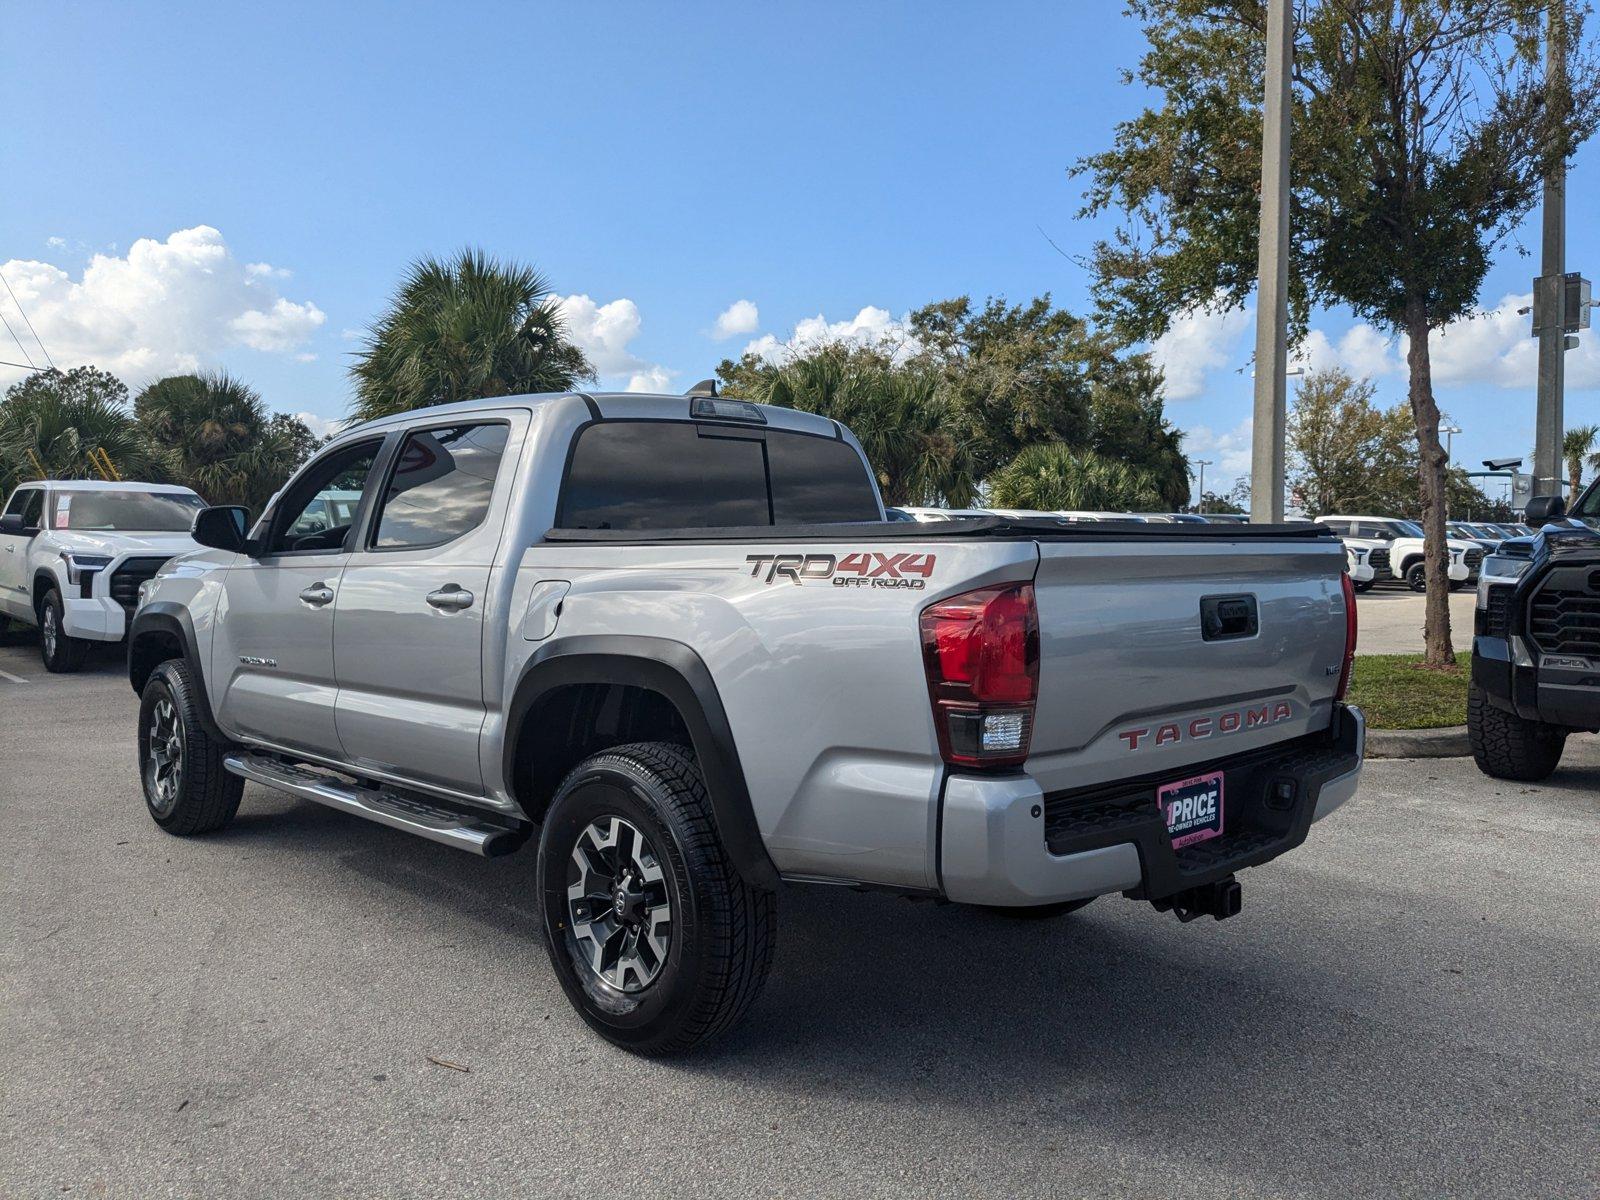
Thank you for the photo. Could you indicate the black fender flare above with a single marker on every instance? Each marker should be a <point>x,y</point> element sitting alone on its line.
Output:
<point>169,618</point>
<point>678,673</point>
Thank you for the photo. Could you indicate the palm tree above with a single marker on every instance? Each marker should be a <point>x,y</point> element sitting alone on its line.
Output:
<point>57,425</point>
<point>1051,475</point>
<point>899,413</point>
<point>1579,447</point>
<point>460,329</point>
<point>214,435</point>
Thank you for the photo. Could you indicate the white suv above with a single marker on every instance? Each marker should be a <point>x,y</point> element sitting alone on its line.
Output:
<point>1403,541</point>
<point>73,553</point>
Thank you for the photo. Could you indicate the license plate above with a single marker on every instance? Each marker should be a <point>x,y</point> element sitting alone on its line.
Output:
<point>1192,808</point>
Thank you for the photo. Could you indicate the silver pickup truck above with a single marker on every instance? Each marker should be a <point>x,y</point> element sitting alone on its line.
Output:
<point>673,642</point>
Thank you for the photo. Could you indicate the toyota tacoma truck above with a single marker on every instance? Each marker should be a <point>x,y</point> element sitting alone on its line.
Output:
<point>1536,644</point>
<point>672,645</point>
<point>73,553</point>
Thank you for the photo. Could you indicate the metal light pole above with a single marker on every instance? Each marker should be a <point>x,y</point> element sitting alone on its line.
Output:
<point>1272,288</point>
<point>1548,298</point>
<point>1450,432</point>
<point>1202,463</point>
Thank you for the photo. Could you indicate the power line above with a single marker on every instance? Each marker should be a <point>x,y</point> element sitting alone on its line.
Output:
<point>18,341</point>
<point>19,366</point>
<point>31,329</point>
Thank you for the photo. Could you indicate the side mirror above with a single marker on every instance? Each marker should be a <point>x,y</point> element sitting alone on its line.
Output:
<point>1542,509</point>
<point>12,523</point>
<point>221,527</point>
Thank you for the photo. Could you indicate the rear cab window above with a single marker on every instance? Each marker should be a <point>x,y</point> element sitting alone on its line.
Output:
<point>641,475</point>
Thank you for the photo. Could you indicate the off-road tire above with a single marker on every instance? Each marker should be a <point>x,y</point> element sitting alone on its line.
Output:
<point>1417,577</point>
<point>1507,746</point>
<point>206,795</point>
<point>722,927</point>
<point>1039,912</point>
<point>62,655</point>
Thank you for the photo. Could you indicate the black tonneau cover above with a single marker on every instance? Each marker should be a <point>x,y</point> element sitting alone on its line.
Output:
<point>1034,529</point>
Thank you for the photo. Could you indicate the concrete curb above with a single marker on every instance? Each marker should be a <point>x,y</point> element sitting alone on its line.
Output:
<point>1451,742</point>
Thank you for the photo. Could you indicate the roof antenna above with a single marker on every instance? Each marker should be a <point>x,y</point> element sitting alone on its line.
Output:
<point>706,387</point>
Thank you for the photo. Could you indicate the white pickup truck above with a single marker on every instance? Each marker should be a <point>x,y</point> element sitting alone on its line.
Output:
<point>673,642</point>
<point>73,553</point>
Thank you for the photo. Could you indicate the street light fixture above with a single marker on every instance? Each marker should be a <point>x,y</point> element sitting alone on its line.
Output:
<point>1202,463</point>
<point>1449,432</point>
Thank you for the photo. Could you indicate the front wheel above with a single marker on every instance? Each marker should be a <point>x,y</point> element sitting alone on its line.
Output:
<point>1507,746</point>
<point>1417,577</point>
<point>186,788</point>
<point>62,654</point>
<point>657,940</point>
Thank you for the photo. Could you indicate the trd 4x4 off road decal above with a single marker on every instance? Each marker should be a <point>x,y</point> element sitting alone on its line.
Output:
<point>863,568</point>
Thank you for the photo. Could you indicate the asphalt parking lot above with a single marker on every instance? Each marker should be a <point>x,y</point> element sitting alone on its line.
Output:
<point>1406,1006</point>
<point>1391,618</point>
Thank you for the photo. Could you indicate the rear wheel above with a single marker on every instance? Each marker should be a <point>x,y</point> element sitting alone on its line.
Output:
<point>1507,746</point>
<point>62,654</point>
<point>1364,587</point>
<point>657,940</point>
<point>186,787</point>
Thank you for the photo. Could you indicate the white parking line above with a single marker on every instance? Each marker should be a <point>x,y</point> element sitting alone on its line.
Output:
<point>11,677</point>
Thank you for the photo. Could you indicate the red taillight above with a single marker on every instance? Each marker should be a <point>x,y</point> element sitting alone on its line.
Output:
<point>981,653</point>
<point>1349,637</point>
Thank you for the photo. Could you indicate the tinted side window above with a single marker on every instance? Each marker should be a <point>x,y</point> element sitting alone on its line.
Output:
<point>29,502</point>
<point>817,481</point>
<point>663,475</point>
<point>441,485</point>
<point>301,521</point>
<point>676,475</point>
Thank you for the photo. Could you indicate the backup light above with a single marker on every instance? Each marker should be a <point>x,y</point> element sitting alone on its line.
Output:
<point>980,651</point>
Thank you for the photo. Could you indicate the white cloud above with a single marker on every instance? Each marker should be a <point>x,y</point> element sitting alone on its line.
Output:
<point>321,426</point>
<point>1198,342</point>
<point>1228,453</point>
<point>604,332</point>
<point>741,316</point>
<point>872,326</point>
<point>56,243</point>
<point>1495,347</point>
<point>167,306</point>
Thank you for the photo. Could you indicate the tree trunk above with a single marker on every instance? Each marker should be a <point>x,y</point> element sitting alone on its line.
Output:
<point>1440,652</point>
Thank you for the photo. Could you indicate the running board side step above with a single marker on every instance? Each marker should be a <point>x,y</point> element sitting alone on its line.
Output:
<point>434,822</point>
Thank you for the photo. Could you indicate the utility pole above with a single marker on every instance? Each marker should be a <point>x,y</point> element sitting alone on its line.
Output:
<point>1202,463</point>
<point>1272,288</point>
<point>1549,297</point>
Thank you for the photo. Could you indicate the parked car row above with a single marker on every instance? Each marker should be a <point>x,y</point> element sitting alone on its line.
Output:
<point>1071,516</point>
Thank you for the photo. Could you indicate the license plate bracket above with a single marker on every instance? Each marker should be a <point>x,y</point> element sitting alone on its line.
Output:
<point>1192,808</point>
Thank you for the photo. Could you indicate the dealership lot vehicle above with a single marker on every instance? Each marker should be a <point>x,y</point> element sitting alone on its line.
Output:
<point>1536,656</point>
<point>1404,541</point>
<point>675,638</point>
<point>252,1014</point>
<point>74,552</point>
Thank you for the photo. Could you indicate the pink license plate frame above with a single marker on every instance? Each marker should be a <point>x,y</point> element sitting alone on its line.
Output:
<point>1192,808</point>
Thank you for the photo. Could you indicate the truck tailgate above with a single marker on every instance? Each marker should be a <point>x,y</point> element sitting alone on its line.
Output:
<point>1162,654</point>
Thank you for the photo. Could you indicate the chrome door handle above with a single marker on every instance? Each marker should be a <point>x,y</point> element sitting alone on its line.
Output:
<point>317,595</point>
<point>451,597</point>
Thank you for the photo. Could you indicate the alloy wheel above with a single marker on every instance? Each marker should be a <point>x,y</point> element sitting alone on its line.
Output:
<point>164,767</point>
<point>620,926</point>
<point>47,631</point>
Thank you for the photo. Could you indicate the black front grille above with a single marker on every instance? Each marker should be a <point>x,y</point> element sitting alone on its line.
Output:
<point>1473,559</point>
<point>125,580</point>
<point>1378,560</point>
<point>1566,620</point>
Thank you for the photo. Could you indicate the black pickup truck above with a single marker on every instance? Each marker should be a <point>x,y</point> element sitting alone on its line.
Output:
<point>1536,653</point>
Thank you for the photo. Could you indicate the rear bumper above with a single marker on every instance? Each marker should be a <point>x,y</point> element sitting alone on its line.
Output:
<point>98,619</point>
<point>1005,842</point>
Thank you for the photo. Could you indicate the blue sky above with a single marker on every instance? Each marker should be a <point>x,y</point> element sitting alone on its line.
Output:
<point>283,162</point>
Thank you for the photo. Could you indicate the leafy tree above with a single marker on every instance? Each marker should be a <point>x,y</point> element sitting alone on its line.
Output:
<point>456,330</point>
<point>1580,446</point>
<point>1346,455</point>
<point>895,410</point>
<point>1210,502</point>
<point>296,435</point>
<point>1422,132</point>
<point>54,424</point>
<point>1016,374</point>
<point>214,436</point>
<point>1051,475</point>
